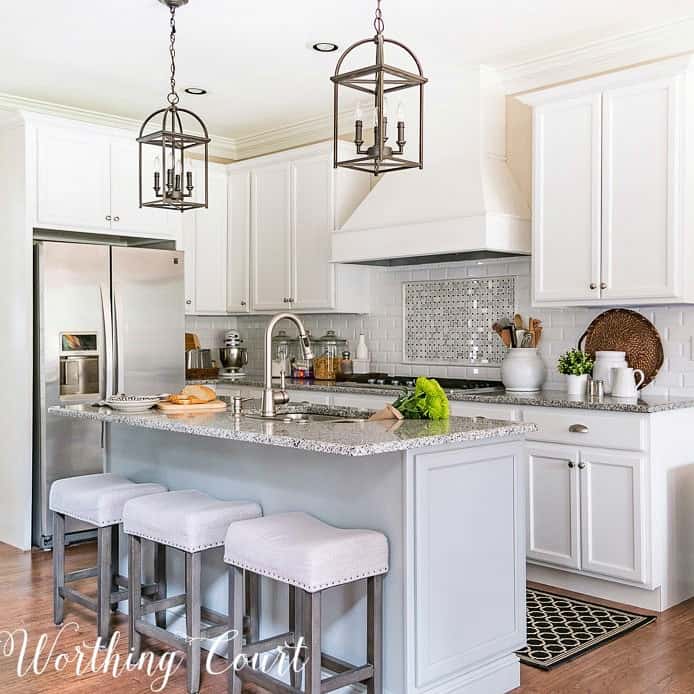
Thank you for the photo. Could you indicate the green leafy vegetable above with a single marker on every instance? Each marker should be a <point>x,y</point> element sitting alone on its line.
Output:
<point>428,400</point>
<point>575,363</point>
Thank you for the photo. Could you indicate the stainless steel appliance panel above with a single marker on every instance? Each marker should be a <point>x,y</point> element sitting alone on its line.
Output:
<point>71,298</point>
<point>148,319</point>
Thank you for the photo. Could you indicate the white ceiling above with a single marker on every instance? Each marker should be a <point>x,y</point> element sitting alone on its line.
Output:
<point>254,57</point>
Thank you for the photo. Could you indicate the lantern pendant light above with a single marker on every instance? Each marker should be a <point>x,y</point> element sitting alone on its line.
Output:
<point>378,80</point>
<point>166,179</point>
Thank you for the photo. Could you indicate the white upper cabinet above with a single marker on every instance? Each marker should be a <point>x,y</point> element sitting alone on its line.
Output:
<point>238,241</point>
<point>271,236</point>
<point>611,163</point>
<point>86,179</point>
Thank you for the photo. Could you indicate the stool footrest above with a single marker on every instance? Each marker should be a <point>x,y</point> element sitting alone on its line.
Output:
<point>209,615</point>
<point>359,674</point>
<point>212,632</point>
<point>154,632</point>
<point>75,596</point>
<point>119,595</point>
<point>91,572</point>
<point>267,682</point>
<point>161,605</point>
<point>265,645</point>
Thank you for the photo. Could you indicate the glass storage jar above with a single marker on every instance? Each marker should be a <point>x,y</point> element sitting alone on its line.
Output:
<point>329,347</point>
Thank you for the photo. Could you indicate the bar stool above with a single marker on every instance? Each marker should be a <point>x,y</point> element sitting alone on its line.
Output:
<point>98,500</point>
<point>192,522</point>
<point>305,553</point>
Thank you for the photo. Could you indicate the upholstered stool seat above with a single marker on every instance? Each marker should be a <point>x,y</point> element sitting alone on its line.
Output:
<point>310,556</point>
<point>192,522</point>
<point>302,551</point>
<point>187,520</point>
<point>98,500</point>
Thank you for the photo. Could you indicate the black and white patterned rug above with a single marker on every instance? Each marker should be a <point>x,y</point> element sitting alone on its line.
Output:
<point>561,628</point>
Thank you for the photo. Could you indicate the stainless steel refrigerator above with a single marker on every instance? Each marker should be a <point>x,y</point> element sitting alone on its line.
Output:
<point>107,319</point>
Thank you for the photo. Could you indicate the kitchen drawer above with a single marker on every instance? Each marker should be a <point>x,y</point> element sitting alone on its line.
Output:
<point>476,409</point>
<point>604,429</point>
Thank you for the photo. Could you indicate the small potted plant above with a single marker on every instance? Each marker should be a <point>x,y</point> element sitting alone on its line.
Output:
<point>575,365</point>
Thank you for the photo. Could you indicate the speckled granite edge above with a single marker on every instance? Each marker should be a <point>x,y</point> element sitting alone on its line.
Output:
<point>412,434</point>
<point>547,398</point>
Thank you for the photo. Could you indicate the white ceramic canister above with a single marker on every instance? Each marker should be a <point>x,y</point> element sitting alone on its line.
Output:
<point>605,361</point>
<point>523,370</point>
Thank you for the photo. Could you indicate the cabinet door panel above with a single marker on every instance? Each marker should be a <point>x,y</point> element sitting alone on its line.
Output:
<point>211,247</point>
<point>73,180</point>
<point>553,505</point>
<point>128,218</point>
<point>271,232</point>
<point>612,522</point>
<point>313,276</point>
<point>642,143</point>
<point>239,241</point>
<point>566,200</point>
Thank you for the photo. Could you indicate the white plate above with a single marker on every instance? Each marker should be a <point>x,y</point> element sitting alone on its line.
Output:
<point>132,408</point>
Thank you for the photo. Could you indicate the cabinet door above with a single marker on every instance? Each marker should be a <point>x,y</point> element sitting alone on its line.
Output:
<point>211,247</point>
<point>72,179</point>
<point>271,233</point>
<point>313,276</point>
<point>238,242</point>
<point>128,218</point>
<point>566,200</point>
<point>612,514</point>
<point>553,505</point>
<point>641,181</point>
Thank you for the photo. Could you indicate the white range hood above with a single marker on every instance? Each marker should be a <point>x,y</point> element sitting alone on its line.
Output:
<point>464,204</point>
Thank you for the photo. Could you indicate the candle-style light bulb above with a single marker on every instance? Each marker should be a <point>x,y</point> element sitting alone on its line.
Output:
<point>157,175</point>
<point>400,117</point>
<point>358,113</point>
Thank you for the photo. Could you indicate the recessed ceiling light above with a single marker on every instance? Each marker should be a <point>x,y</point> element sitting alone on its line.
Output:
<point>325,47</point>
<point>196,91</point>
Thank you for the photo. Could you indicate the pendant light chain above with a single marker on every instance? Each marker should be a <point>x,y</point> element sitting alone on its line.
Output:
<point>173,97</point>
<point>379,26</point>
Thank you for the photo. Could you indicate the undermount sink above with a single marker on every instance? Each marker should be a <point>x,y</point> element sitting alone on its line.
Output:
<point>306,417</point>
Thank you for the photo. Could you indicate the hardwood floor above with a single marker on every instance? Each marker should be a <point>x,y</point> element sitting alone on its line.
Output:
<point>657,659</point>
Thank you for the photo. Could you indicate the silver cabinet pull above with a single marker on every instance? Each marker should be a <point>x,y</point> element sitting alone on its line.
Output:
<point>571,463</point>
<point>116,219</point>
<point>593,285</point>
<point>603,285</point>
<point>581,466</point>
<point>290,300</point>
<point>243,302</point>
<point>188,302</point>
<point>579,429</point>
<point>108,217</point>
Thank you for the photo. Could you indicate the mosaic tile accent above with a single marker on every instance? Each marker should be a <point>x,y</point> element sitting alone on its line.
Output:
<point>450,321</point>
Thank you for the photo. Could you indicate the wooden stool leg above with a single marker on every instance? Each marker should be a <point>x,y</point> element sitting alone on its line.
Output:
<point>134,594</point>
<point>103,588</point>
<point>115,562</point>
<point>235,627</point>
<point>312,634</point>
<point>193,617</point>
<point>58,567</point>
<point>252,583</point>
<point>296,626</point>
<point>160,580</point>
<point>374,635</point>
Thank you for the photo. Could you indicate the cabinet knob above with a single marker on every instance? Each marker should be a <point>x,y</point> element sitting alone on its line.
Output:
<point>603,285</point>
<point>579,429</point>
<point>243,302</point>
<point>108,217</point>
<point>290,300</point>
<point>116,219</point>
<point>571,463</point>
<point>581,466</point>
<point>189,302</point>
<point>593,285</point>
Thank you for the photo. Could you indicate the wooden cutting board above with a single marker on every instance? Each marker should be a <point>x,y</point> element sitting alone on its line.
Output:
<point>172,408</point>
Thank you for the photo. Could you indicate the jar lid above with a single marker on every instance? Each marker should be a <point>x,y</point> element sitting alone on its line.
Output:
<point>281,337</point>
<point>331,337</point>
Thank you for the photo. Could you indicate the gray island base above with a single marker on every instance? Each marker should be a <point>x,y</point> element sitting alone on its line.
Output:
<point>448,495</point>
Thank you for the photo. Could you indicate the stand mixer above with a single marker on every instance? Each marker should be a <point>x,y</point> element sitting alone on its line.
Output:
<point>232,356</point>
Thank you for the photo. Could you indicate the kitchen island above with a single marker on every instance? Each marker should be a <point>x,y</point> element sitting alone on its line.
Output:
<point>449,495</point>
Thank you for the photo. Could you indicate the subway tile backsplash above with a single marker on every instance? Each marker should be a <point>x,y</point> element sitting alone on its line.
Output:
<point>383,327</point>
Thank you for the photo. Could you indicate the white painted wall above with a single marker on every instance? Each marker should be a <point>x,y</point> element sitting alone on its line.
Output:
<point>562,327</point>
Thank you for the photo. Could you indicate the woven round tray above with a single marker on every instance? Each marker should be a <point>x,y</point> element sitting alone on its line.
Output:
<point>622,330</point>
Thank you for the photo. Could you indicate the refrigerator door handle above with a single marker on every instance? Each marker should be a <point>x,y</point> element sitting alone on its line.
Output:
<point>109,367</point>
<point>118,344</point>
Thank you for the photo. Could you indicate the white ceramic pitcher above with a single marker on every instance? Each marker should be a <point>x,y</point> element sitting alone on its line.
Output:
<point>605,363</point>
<point>624,384</point>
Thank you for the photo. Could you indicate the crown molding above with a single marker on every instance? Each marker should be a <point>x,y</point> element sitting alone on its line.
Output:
<point>222,147</point>
<point>655,43</point>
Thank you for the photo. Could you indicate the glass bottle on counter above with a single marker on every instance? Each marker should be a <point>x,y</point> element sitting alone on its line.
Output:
<point>346,366</point>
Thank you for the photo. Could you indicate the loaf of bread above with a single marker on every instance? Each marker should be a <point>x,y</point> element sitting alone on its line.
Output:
<point>193,395</point>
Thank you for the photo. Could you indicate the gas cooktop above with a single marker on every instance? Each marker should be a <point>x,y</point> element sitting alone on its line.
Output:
<point>401,382</point>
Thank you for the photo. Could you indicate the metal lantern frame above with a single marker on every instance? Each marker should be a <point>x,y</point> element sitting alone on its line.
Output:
<point>173,184</point>
<point>378,80</point>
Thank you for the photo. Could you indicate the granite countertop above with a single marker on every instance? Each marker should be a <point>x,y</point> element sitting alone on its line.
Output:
<point>353,439</point>
<point>644,404</point>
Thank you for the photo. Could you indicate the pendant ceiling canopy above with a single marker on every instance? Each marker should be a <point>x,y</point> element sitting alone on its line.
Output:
<point>378,80</point>
<point>166,139</point>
